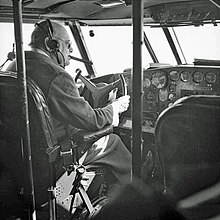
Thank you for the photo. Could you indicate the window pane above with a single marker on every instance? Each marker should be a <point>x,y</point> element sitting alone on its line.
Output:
<point>199,42</point>
<point>160,45</point>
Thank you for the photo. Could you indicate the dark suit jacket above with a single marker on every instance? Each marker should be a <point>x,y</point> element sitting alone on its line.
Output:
<point>69,112</point>
<point>68,109</point>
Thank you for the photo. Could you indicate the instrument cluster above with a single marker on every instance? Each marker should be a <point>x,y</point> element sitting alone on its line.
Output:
<point>163,86</point>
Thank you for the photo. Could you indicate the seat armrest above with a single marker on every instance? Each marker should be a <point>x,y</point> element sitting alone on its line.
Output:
<point>91,136</point>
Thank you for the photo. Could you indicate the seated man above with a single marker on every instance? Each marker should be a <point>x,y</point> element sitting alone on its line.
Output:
<point>50,48</point>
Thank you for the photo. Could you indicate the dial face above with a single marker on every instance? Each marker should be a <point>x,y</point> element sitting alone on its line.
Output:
<point>174,75</point>
<point>197,77</point>
<point>150,96</point>
<point>211,77</point>
<point>163,94</point>
<point>159,79</point>
<point>146,83</point>
<point>185,76</point>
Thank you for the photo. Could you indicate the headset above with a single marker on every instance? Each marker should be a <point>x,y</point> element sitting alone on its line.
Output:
<point>52,43</point>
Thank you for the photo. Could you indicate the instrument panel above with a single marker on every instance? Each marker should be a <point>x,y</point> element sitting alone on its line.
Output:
<point>163,86</point>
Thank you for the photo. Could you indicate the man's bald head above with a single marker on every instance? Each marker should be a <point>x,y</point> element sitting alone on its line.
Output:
<point>44,30</point>
<point>52,38</point>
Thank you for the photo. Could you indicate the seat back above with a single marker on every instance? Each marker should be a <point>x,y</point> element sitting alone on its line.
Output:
<point>188,136</point>
<point>41,135</point>
<point>43,142</point>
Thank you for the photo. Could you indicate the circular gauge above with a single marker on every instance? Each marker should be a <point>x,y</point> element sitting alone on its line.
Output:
<point>146,83</point>
<point>210,77</point>
<point>172,88</point>
<point>159,79</point>
<point>150,96</point>
<point>163,95</point>
<point>197,77</point>
<point>174,75</point>
<point>185,76</point>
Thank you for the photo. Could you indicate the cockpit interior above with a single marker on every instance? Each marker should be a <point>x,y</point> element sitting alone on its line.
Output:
<point>171,127</point>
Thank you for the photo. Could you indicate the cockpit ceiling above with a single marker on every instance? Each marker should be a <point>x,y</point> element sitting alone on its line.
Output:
<point>110,12</point>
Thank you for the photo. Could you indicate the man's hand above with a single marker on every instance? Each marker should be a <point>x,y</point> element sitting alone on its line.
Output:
<point>119,105</point>
<point>122,103</point>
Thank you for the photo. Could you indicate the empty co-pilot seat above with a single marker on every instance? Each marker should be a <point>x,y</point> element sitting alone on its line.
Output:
<point>44,147</point>
<point>188,139</point>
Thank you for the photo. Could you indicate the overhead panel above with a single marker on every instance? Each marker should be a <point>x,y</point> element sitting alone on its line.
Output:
<point>192,12</point>
<point>110,12</point>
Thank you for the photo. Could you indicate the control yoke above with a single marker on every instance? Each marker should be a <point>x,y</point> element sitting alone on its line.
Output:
<point>99,92</point>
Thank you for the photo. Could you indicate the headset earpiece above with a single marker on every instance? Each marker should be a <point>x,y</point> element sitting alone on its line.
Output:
<point>53,44</point>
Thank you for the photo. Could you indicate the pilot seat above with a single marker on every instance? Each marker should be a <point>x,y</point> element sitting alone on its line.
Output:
<point>52,162</point>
